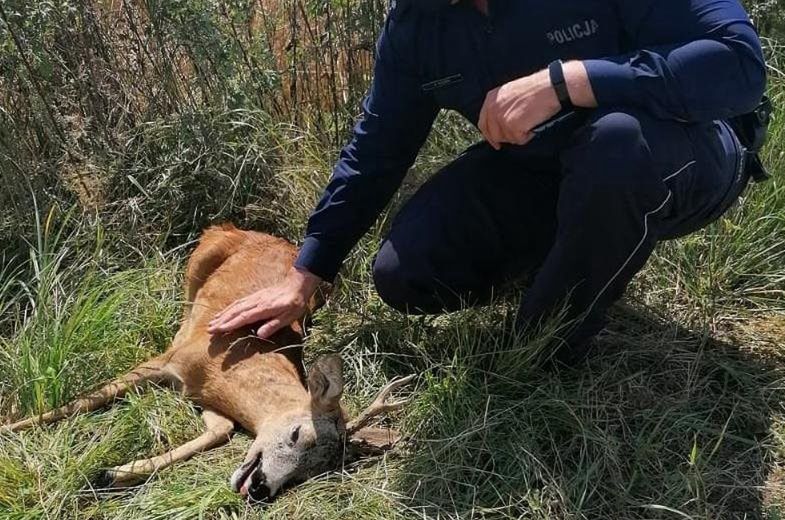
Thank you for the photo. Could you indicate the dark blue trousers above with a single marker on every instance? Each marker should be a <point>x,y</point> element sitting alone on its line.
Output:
<point>578,213</point>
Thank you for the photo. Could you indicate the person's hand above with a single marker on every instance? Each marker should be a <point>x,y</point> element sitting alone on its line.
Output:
<point>512,111</point>
<point>279,306</point>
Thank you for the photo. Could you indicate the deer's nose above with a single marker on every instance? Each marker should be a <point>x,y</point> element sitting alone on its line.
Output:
<point>259,490</point>
<point>259,493</point>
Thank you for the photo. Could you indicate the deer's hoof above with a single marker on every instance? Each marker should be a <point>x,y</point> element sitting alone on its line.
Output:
<point>114,479</point>
<point>104,480</point>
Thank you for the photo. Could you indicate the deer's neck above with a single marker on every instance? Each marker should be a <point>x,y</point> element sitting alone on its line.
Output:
<point>280,399</point>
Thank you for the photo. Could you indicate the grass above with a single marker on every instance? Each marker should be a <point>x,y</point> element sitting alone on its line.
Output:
<point>678,418</point>
<point>680,415</point>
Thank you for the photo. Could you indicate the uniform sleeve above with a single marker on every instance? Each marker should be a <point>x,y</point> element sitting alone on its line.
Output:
<point>397,118</point>
<point>694,60</point>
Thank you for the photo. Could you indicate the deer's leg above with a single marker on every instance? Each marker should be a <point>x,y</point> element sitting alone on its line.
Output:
<point>218,432</point>
<point>152,371</point>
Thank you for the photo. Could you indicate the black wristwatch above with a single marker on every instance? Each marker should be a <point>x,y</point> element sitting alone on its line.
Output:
<point>559,83</point>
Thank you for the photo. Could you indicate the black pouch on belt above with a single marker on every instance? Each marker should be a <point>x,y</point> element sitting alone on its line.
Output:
<point>752,130</point>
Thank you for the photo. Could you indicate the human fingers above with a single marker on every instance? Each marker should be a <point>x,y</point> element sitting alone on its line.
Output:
<point>245,317</point>
<point>487,124</point>
<point>273,326</point>
<point>242,303</point>
<point>494,131</point>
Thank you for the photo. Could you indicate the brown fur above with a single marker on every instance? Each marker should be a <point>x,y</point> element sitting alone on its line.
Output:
<point>230,264</point>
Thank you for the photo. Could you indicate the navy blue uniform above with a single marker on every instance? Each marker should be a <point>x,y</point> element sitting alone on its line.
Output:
<point>582,205</point>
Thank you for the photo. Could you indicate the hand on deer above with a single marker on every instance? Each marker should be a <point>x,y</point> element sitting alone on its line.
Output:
<point>277,306</point>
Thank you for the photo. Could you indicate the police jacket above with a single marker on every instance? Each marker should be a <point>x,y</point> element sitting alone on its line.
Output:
<point>687,60</point>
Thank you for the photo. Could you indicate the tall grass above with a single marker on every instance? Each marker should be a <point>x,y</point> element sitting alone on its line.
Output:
<point>72,316</point>
<point>96,94</point>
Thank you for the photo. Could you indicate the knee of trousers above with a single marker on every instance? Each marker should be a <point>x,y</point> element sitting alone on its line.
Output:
<point>610,157</point>
<point>400,284</point>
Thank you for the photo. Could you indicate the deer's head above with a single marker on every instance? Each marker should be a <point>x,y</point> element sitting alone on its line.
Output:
<point>300,444</point>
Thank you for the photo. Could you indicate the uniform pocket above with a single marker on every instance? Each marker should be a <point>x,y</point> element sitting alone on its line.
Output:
<point>459,92</point>
<point>710,188</point>
<point>736,179</point>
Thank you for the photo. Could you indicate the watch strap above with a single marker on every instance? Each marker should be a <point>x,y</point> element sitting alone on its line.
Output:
<point>556,71</point>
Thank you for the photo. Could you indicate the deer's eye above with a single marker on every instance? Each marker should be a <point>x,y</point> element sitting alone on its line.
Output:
<point>295,435</point>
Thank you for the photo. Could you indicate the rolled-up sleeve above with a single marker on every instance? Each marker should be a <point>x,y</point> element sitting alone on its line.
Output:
<point>692,60</point>
<point>397,118</point>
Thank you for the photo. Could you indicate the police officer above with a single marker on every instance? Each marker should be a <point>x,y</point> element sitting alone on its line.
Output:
<point>605,126</point>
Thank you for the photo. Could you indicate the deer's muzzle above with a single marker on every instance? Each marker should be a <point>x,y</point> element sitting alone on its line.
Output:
<point>243,477</point>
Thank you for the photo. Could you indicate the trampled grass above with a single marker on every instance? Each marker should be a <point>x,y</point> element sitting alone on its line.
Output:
<point>681,414</point>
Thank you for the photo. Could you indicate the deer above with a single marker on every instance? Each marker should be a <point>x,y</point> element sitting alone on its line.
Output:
<point>299,426</point>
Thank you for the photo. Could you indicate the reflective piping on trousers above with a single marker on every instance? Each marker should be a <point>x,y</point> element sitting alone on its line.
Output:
<point>669,177</point>
<point>643,239</point>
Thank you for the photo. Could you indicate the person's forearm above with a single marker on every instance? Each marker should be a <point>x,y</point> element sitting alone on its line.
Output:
<point>702,80</point>
<point>511,113</point>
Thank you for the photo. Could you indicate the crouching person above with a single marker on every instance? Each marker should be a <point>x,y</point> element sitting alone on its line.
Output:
<point>606,130</point>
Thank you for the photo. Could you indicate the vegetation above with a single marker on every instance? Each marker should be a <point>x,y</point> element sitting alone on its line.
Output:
<point>127,126</point>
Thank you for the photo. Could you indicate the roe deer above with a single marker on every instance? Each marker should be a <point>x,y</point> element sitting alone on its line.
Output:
<point>239,379</point>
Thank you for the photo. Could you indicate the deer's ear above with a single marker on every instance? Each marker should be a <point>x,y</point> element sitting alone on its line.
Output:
<point>325,382</point>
